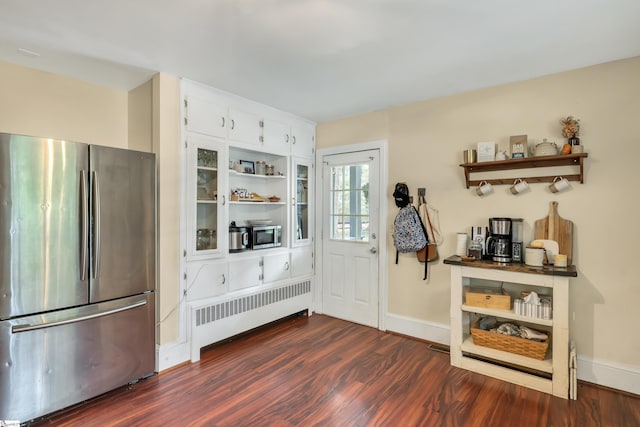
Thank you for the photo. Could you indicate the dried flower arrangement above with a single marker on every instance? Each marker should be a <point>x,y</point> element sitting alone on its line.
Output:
<point>570,127</point>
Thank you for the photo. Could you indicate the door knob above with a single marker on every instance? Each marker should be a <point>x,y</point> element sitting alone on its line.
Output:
<point>373,250</point>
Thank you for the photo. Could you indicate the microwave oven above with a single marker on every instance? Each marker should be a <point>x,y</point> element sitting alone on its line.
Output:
<point>266,236</point>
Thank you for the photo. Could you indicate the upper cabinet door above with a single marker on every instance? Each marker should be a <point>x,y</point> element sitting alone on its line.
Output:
<point>302,226</point>
<point>206,194</point>
<point>244,127</point>
<point>276,136</point>
<point>303,140</point>
<point>203,115</point>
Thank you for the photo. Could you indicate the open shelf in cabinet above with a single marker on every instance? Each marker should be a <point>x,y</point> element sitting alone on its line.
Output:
<point>576,160</point>
<point>545,365</point>
<point>506,315</point>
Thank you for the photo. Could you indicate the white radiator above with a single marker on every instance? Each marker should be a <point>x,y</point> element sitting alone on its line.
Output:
<point>222,319</point>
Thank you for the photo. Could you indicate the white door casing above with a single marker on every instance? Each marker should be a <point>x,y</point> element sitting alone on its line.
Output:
<point>351,236</point>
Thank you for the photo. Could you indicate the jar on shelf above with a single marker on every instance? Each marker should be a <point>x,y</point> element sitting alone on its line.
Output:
<point>261,167</point>
<point>270,170</point>
<point>203,239</point>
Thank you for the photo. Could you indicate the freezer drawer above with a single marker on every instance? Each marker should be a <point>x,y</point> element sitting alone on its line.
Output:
<point>54,360</point>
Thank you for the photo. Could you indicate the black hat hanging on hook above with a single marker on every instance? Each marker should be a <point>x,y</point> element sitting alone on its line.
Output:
<point>401,195</point>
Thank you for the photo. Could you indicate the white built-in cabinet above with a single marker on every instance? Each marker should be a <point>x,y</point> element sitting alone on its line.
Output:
<point>219,131</point>
<point>205,198</point>
<point>206,279</point>
<point>281,136</point>
<point>302,197</point>
<point>207,114</point>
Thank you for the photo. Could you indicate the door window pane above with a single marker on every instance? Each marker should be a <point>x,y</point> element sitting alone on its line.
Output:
<point>349,203</point>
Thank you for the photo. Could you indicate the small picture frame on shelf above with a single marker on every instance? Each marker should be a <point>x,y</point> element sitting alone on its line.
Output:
<point>518,145</point>
<point>247,166</point>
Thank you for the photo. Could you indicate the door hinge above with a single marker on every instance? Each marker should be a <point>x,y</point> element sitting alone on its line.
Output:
<point>186,144</point>
<point>185,121</point>
<point>184,253</point>
<point>186,103</point>
<point>262,139</point>
<point>261,277</point>
<point>261,123</point>
<point>185,276</point>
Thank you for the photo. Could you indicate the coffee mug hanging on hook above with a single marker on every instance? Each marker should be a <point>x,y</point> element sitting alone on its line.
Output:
<point>484,188</point>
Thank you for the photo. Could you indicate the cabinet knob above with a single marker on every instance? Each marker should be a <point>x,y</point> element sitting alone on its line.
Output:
<point>224,279</point>
<point>222,121</point>
<point>294,139</point>
<point>286,138</point>
<point>233,124</point>
<point>286,266</point>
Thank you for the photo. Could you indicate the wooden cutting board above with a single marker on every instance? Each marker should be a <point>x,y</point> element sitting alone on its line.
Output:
<point>553,227</point>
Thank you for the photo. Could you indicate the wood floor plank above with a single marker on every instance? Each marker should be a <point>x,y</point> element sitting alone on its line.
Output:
<point>321,371</point>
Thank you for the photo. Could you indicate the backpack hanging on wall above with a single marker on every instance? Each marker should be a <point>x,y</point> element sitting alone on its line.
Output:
<point>409,233</point>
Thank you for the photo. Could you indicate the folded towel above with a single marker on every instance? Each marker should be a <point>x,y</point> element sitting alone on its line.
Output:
<point>531,334</point>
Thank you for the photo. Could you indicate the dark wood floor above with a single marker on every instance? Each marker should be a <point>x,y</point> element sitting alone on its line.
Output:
<point>321,371</point>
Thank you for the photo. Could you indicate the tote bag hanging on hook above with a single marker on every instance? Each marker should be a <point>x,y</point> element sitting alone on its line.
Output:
<point>430,252</point>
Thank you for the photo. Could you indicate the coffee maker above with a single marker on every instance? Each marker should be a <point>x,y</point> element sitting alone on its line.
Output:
<point>499,240</point>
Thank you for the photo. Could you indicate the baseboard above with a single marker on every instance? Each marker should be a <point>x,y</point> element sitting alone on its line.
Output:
<point>172,354</point>
<point>428,331</point>
<point>616,376</point>
<point>612,375</point>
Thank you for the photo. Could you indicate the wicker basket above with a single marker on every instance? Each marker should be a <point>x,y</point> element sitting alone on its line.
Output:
<point>521,346</point>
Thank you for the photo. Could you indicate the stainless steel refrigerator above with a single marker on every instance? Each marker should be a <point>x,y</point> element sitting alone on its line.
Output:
<point>77,272</point>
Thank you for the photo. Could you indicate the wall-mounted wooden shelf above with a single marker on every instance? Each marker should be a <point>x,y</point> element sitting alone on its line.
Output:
<point>527,163</point>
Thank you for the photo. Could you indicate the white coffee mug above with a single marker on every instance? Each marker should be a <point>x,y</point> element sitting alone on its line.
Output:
<point>519,186</point>
<point>484,188</point>
<point>559,184</point>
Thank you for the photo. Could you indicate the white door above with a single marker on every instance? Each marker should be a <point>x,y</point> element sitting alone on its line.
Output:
<point>350,236</point>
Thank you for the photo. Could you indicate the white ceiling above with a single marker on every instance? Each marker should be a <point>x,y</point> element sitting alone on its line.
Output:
<point>320,59</point>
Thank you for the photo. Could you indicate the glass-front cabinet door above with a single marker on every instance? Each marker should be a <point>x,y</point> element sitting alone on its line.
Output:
<point>206,181</point>
<point>302,223</point>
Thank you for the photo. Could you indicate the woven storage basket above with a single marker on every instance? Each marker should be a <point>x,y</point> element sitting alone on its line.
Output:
<point>521,346</point>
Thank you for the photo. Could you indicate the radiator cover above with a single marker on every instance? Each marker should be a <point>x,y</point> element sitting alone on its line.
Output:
<point>219,320</point>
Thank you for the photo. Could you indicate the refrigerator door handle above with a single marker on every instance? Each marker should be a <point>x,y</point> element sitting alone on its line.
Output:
<point>96,224</point>
<point>44,324</point>
<point>84,225</point>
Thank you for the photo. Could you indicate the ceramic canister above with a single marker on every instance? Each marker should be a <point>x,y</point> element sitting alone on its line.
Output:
<point>534,256</point>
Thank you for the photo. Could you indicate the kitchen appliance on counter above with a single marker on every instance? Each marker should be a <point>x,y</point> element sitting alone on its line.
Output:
<point>517,253</point>
<point>499,241</point>
<point>77,272</point>
<point>479,234</point>
<point>239,238</point>
<point>266,236</point>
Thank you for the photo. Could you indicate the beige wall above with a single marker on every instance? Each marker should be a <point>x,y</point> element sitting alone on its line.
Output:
<point>426,141</point>
<point>37,103</point>
<point>166,145</point>
<point>43,104</point>
<point>141,117</point>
